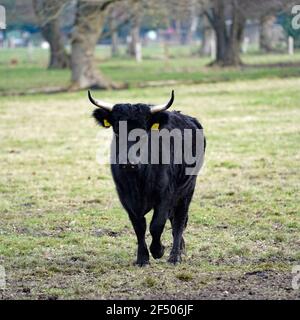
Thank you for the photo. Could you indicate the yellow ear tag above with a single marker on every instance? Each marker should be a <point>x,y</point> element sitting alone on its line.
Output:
<point>155,126</point>
<point>106,124</point>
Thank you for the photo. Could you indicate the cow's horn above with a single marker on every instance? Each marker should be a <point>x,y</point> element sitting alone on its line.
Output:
<point>100,104</point>
<point>162,107</point>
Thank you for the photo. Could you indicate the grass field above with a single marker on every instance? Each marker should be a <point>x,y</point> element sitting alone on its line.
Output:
<point>33,74</point>
<point>64,234</point>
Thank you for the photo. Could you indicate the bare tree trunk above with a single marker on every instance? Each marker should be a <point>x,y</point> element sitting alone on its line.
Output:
<point>221,33</point>
<point>265,36</point>
<point>114,34</point>
<point>114,43</point>
<point>59,59</point>
<point>135,38</point>
<point>48,13</point>
<point>207,37</point>
<point>87,30</point>
<point>232,54</point>
<point>192,30</point>
<point>228,39</point>
<point>135,31</point>
<point>193,22</point>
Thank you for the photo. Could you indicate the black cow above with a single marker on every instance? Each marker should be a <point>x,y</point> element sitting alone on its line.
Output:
<point>165,188</point>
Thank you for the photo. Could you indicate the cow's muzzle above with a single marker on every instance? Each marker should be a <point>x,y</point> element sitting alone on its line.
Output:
<point>129,167</point>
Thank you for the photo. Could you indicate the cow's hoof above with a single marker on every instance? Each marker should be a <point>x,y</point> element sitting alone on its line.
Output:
<point>174,259</point>
<point>142,262</point>
<point>157,252</point>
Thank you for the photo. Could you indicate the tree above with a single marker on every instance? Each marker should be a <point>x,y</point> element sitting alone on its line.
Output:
<point>135,29</point>
<point>118,17</point>
<point>228,38</point>
<point>267,17</point>
<point>114,33</point>
<point>192,21</point>
<point>88,26</point>
<point>228,18</point>
<point>265,32</point>
<point>207,37</point>
<point>48,13</point>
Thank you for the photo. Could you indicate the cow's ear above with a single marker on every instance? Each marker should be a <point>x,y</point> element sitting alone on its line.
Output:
<point>102,117</point>
<point>159,120</point>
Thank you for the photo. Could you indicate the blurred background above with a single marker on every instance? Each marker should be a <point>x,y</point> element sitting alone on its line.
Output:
<point>234,65</point>
<point>150,41</point>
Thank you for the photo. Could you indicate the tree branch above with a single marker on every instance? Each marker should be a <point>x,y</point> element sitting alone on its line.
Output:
<point>112,30</point>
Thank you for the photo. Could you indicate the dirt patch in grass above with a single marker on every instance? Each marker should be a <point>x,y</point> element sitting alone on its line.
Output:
<point>252,285</point>
<point>270,285</point>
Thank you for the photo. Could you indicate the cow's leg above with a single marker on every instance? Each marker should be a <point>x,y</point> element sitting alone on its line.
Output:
<point>156,229</point>
<point>139,225</point>
<point>182,243</point>
<point>179,222</point>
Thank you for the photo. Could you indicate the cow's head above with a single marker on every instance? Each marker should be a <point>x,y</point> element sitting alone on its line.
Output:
<point>137,116</point>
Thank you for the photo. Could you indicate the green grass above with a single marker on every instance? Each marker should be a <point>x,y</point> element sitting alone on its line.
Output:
<point>64,234</point>
<point>33,74</point>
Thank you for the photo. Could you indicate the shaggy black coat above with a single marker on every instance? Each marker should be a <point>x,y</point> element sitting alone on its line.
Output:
<point>142,187</point>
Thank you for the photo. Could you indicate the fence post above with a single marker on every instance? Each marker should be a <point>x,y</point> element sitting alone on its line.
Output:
<point>291,45</point>
<point>2,18</point>
<point>213,48</point>
<point>138,52</point>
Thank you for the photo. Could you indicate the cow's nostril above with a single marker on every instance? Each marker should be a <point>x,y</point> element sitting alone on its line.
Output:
<point>129,166</point>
